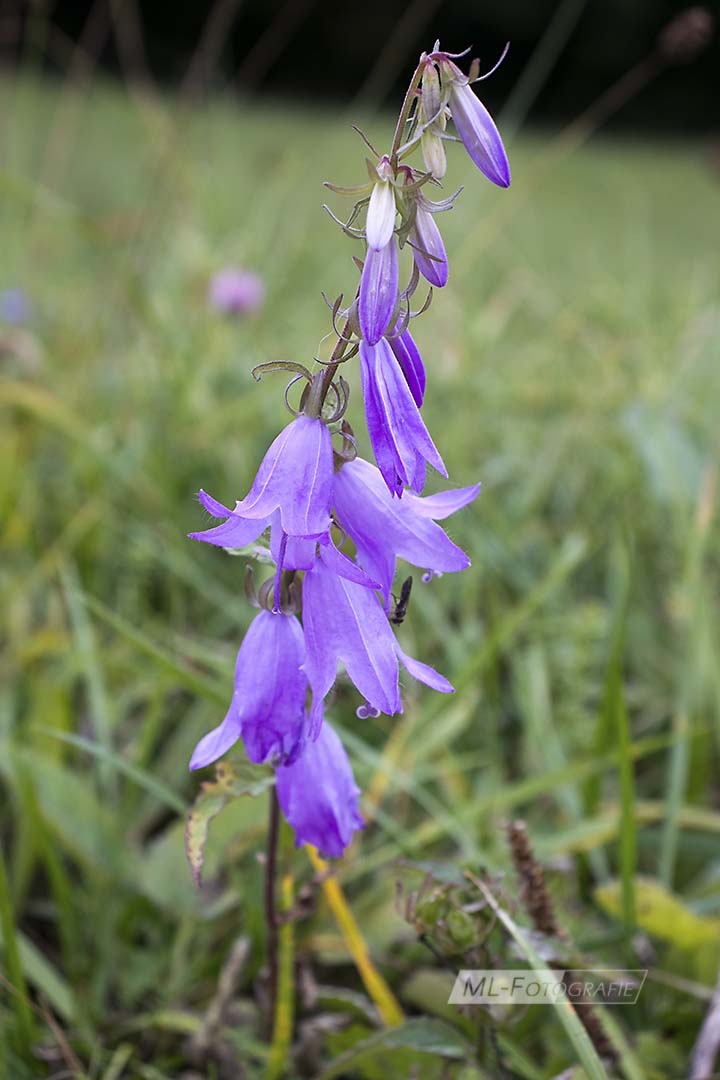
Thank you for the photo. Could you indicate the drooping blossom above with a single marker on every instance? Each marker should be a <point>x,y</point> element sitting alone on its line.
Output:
<point>268,704</point>
<point>236,292</point>
<point>384,528</point>
<point>344,621</point>
<point>319,797</point>
<point>294,479</point>
<point>475,125</point>
<point>378,291</point>
<point>400,441</point>
<point>408,357</point>
<point>428,249</point>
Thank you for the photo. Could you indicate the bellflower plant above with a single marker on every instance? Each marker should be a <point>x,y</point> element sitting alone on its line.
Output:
<point>338,523</point>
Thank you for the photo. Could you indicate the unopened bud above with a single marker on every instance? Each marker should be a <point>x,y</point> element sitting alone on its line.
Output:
<point>381,211</point>
<point>433,153</point>
<point>431,98</point>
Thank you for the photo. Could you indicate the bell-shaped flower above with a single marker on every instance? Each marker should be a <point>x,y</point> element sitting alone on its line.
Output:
<point>408,357</point>
<point>400,441</point>
<point>475,126</point>
<point>319,797</point>
<point>428,249</point>
<point>383,528</point>
<point>378,291</point>
<point>344,621</point>
<point>295,479</point>
<point>268,705</point>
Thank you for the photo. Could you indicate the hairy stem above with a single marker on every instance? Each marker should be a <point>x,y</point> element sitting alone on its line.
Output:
<point>405,112</point>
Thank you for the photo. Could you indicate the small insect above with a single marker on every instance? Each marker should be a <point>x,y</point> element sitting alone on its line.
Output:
<point>399,612</point>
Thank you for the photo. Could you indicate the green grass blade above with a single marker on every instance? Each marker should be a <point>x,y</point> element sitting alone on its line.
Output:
<point>586,1053</point>
<point>13,967</point>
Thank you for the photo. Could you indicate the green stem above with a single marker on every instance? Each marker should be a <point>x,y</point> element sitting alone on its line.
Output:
<point>13,967</point>
<point>405,112</point>
<point>285,997</point>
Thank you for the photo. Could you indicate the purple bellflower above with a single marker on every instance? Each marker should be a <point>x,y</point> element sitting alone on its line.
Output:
<point>399,438</point>
<point>236,292</point>
<point>14,306</point>
<point>294,480</point>
<point>344,621</point>
<point>378,291</point>
<point>268,705</point>
<point>428,249</point>
<point>319,797</point>
<point>408,357</point>
<point>384,528</point>
<point>475,125</point>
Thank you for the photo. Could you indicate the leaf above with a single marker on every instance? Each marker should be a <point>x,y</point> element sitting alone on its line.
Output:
<point>661,913</point>
<point>423,1036</point>
<point>230,783</point>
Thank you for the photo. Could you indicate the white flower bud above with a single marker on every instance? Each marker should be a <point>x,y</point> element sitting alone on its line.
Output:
<point>381,215</point>
<point>433,153</point>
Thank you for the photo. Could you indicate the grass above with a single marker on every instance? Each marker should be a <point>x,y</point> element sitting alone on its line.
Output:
<point>574,367</point>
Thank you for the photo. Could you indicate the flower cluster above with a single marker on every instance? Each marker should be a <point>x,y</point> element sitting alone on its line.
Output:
<point>338,523</point>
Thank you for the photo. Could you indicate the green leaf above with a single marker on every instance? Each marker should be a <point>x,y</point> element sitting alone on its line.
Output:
<point>423,1036</point>
<point>230,783</point>
<point>661,913</point>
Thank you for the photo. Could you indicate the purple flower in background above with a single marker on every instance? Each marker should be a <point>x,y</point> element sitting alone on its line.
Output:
<point>428,249</point>
<point>14,306</point>
<point>236,292</point>
<point>400,441</point>
<point>383,528</point>
<point>295,478</point>
<point>319,797</point>
<point>475,125</point>
<point>343,621</point>
<point>268,704</point>
<point>408,357</point>
<point>378,291</point>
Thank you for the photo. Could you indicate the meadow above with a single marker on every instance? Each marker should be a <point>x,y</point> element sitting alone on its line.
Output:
<point>574,367</point>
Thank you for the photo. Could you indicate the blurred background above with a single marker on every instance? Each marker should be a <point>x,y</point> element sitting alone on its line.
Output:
<point>161,232</point>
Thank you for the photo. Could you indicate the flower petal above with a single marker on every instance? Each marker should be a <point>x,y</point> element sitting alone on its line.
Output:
<point>268,704</point>
<point>233,533</point>
<point>477,129</point>
<point>378,291</point>
<point>319,797</point>
<point>380,215</point>
<point>383,527</point>
<point>295,477</point>
<point>344,621</point>
<point>424,673</point>
<point>429,250</point>
<point>444,503</point>
<point>394,422</point>
<point>342,566</point>
<point>408,357</point>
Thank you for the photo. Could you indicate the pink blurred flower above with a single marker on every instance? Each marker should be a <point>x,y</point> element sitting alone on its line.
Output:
<point>236,292</point>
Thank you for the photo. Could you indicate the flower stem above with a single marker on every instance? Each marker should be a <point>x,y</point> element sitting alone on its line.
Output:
<point>383,997</point>
<point>285,1000</point>
<point>405,112</point>
<point>271,919</point>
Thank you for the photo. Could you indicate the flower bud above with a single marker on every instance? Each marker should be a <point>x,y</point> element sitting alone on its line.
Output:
<point>381,215</point>
<point>433,153</point>
<point>431,98</point>
<point>476,127</point>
